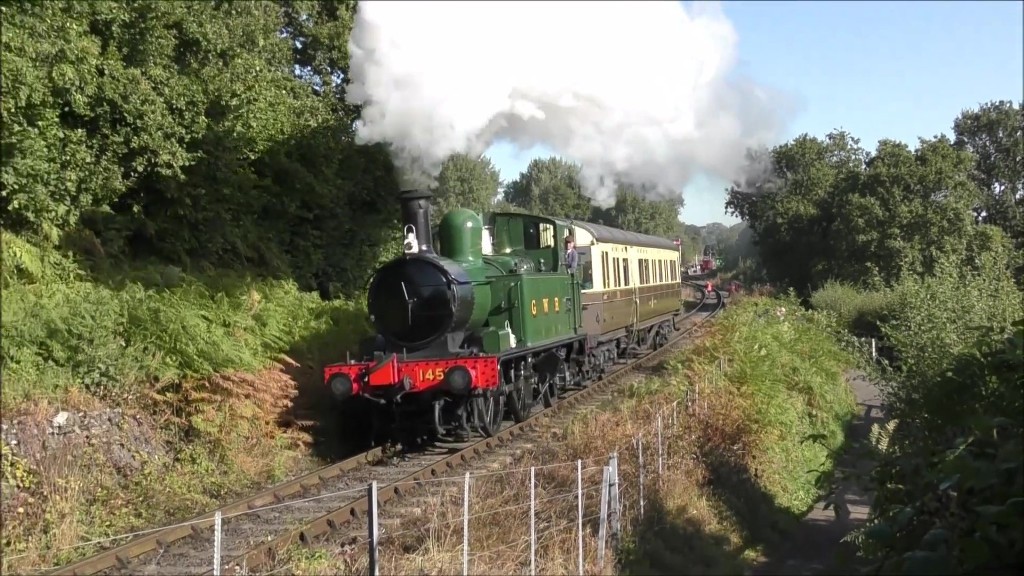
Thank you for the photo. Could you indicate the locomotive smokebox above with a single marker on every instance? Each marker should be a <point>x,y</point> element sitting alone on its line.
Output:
<point>416,212</point>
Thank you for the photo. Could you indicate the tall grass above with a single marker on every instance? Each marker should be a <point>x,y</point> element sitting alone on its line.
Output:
<point>63,329</point>
<point>860,311</point>
<point>784,372</point>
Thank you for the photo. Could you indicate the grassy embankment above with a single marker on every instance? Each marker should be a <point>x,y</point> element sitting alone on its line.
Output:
<point>207,371</point>
<point>738,464</point>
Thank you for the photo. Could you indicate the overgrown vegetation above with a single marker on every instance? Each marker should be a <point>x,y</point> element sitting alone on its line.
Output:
<point>950,476</point>
<point>738,410</point>
<point>826,208</point>
<point>151,325</point>
<point>921,250</point>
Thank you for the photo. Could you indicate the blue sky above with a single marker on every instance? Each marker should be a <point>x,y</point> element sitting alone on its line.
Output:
<point>877,69</point>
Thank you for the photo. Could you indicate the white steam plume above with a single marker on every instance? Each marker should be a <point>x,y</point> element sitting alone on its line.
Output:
<point>631,90</point>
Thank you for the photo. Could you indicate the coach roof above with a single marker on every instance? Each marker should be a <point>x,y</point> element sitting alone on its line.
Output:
<point>611,235</point>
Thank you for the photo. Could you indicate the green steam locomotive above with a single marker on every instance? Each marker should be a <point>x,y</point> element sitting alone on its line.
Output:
<point>494,321</point>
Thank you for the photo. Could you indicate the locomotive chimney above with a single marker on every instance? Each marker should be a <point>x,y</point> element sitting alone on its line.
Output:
<point>416,212</point>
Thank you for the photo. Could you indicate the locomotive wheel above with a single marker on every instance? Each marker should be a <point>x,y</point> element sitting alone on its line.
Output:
<point>520,399</point>
<point>489,413</point>
<point>549,394</point>
<point>660,339</point>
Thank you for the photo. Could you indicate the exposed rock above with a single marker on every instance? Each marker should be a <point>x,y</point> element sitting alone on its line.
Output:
<point>125,441</point>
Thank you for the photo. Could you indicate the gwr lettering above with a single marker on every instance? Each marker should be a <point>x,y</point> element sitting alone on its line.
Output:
<point>545,304</point>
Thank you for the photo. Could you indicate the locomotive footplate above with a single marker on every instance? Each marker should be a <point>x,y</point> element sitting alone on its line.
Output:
<point>389,379</point>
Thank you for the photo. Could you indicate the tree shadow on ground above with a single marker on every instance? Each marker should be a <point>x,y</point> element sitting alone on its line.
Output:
<point>812,543</point>
<point>338,430</point>
<point>669,542</point>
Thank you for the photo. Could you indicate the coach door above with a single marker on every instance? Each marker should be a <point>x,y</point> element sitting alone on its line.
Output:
<point>634,285</point>
<point>581,280</point>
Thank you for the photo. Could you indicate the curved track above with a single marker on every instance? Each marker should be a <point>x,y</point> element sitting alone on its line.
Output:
<point>256,527</point>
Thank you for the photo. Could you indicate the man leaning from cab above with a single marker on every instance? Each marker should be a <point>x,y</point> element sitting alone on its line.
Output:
<point>571,257</point>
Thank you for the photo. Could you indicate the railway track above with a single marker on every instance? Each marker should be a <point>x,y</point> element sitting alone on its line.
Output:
<point>255,528</point>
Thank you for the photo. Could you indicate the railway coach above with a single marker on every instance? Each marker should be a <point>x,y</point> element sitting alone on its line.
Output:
<point>491,320</point>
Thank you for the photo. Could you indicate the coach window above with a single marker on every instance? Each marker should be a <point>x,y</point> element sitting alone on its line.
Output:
<point>661,270</point>
<point>604,271</point>
<point>625,271</point>
<point>618,276</point>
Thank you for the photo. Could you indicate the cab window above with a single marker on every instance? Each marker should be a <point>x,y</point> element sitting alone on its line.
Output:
<point>531,235</point>
<point>546,235</point>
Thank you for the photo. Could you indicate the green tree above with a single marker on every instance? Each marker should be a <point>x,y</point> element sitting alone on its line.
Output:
<point>181,132</point>
<point>830,210</point>
<point>465,182</point>
<point>633,212</point>
<point>549,186</point>
<point>790,206</point>
<point>994,133</point>
<point>907,210</point>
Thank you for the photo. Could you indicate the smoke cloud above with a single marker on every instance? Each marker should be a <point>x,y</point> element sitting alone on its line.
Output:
<point>640,92</point>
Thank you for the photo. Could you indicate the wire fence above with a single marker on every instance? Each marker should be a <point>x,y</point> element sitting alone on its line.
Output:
<point>528,511</point>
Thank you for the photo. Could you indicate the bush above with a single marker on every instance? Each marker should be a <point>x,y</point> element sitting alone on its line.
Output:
<point>787,377</point>
<point>950,477</point>
<point>860,311</point>
<point>950,483</point>
<point>935,318</point>
<point>63,330</point>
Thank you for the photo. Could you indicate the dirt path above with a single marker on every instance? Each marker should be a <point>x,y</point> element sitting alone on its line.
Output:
<point>815,546</point>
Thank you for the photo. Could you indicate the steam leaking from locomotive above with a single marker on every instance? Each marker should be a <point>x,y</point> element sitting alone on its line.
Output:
<point>642,92</point>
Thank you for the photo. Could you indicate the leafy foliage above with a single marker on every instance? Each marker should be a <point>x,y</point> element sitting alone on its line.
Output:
<point>917,247</point>
<point>465,182</point>
<point>159,324</point>
<point>551,186</point>
<point>950,475</point>
<point>994,134</point>
<point>859,311</point>
<point>827,209</point>
<point>182,132</point>
<point>951,483</point>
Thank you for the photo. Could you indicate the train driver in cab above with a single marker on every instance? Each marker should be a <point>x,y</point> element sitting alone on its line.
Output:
<point>572,259</point>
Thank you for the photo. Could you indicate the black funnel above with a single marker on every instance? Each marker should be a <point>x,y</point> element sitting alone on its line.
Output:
<point>416,211</point>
